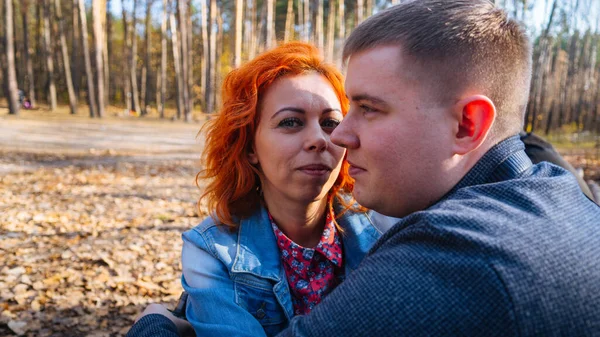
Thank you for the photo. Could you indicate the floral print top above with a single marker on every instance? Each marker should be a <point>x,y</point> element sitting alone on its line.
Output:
<point>311,272</point>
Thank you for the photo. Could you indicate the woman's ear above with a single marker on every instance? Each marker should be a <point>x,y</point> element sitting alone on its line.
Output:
<point>252,157</point>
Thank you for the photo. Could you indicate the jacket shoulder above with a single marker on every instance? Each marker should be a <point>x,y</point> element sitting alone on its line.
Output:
<point>208,233</point>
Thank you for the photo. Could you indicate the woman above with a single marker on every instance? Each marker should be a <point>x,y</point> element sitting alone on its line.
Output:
<point>284,229</point>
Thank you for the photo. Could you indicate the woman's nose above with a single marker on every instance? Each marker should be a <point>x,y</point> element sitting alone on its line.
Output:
<point>316,140</point>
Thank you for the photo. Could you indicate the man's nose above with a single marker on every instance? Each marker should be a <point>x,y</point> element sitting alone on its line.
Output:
<point>344,136</point>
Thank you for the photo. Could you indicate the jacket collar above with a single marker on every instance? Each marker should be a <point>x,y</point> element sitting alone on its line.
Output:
<point>257,251</point>
<point>506,160</point>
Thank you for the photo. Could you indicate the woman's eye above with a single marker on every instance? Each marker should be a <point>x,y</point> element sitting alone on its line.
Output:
<point>290,123</point>
<point>330,123</point>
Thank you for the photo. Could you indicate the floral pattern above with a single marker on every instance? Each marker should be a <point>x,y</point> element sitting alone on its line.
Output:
<point>311,272</point>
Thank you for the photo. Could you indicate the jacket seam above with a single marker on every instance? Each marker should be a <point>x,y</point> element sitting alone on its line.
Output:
<point>509,297</point>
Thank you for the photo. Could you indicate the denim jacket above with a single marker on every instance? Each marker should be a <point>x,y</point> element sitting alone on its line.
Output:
<point>236,281</point>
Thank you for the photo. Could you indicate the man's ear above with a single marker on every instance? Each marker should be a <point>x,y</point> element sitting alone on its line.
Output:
<point>476,115</point>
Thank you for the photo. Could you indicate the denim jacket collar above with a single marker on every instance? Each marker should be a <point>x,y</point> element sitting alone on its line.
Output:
<point>256,244</point>
<point>258,254</point>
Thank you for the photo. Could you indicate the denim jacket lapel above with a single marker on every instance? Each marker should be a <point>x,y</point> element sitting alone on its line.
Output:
<point>258,254</point>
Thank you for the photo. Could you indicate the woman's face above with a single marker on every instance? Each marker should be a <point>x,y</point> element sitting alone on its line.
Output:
<point>291,146</point>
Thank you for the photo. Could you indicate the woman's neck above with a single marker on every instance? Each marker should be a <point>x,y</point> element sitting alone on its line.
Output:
<point>302,223</point>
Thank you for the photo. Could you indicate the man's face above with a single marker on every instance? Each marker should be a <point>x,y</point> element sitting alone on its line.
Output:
<point>398,136</point>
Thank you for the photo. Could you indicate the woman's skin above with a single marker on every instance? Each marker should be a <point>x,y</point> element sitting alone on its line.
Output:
<point>293,150</point>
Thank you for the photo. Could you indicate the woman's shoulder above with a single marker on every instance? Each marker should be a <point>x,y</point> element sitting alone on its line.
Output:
<point>210,232</point>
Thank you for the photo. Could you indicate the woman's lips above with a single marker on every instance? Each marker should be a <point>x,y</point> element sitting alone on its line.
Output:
<point>315,169</point>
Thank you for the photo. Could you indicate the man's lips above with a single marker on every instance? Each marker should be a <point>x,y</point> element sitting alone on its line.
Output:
<point>315,169</point>
<point>354,169</point>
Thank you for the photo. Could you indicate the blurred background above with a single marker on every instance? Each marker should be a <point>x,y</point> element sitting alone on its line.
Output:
<point>101,103</point>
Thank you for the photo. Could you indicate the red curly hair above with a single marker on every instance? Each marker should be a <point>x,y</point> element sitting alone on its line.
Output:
<point>231,193</point>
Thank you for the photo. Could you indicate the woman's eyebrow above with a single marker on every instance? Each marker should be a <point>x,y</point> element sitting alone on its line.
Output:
<point>288,108</point>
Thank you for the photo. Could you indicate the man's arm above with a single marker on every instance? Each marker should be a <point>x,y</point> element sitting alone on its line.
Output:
<point>414,284</point>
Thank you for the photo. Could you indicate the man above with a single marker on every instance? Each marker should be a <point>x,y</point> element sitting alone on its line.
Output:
<point>488,244</point>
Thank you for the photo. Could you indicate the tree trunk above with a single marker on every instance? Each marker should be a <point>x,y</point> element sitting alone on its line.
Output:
<point>254,31</point>
<point>107,51</point>
<point>13,88</point>
<point>184,58</point>
<point>146,67</point>
<point>190,52</point>
<point>289,22</point>
<point>27,54</point>
<point>75,54</point>
<point>205,54</point>
<point>359,11</point>
<point>48,53</point>
<point>269,43</point>
<point>330,31</point>
<point>369,10</point>
<point>126,60</point>
<point>211,71</point>
<point>89,74</point>
<point>218,63</point>
<point>305,27</point>
<point>65,55</point>
<point>98,8</point>
<point>239,16</point>
<point>133,62</point>
<point>177,61</point>
<point>163,62</point>
<point>319,25</point>
<point>341,20</point>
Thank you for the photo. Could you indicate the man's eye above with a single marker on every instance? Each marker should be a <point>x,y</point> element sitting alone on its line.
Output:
<point>366,108</point>
<point>290,123</point>
<point>330,123</point>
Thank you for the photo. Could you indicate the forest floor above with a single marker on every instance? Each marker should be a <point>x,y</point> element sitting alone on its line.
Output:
<point>91,214</point>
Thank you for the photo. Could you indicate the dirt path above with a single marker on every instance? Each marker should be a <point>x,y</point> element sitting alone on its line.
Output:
<point>41,132</point>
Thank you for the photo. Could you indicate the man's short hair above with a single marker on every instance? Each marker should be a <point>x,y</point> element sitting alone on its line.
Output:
<point>459,44</point>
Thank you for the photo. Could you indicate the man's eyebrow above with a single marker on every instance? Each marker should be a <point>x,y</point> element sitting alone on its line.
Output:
<point>367,97</point>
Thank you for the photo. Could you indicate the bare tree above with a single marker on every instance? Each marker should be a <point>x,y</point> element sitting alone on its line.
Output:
<point>270,24</point>
<point>205,51</point>
<point>107,49</point>
<point>98,8</point>
<point>66,61</point>
<point>76,58</point>
<point>360,7</point>
<point>239,16</point>
<point>177,61</point>
<point>133,61</point>
<point>330,30</point>
<point>13,88</point>
<point>89,74</point>
<point>160,104</point>
<point>318,30</point>
<point>48,53</point>
<point>209,95</point>
<point>289,22</point>
<point>126,59</point>
<point>306,31</point>
<point>145,72</point>
<point>27,53</point>
<point>184,57</point>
